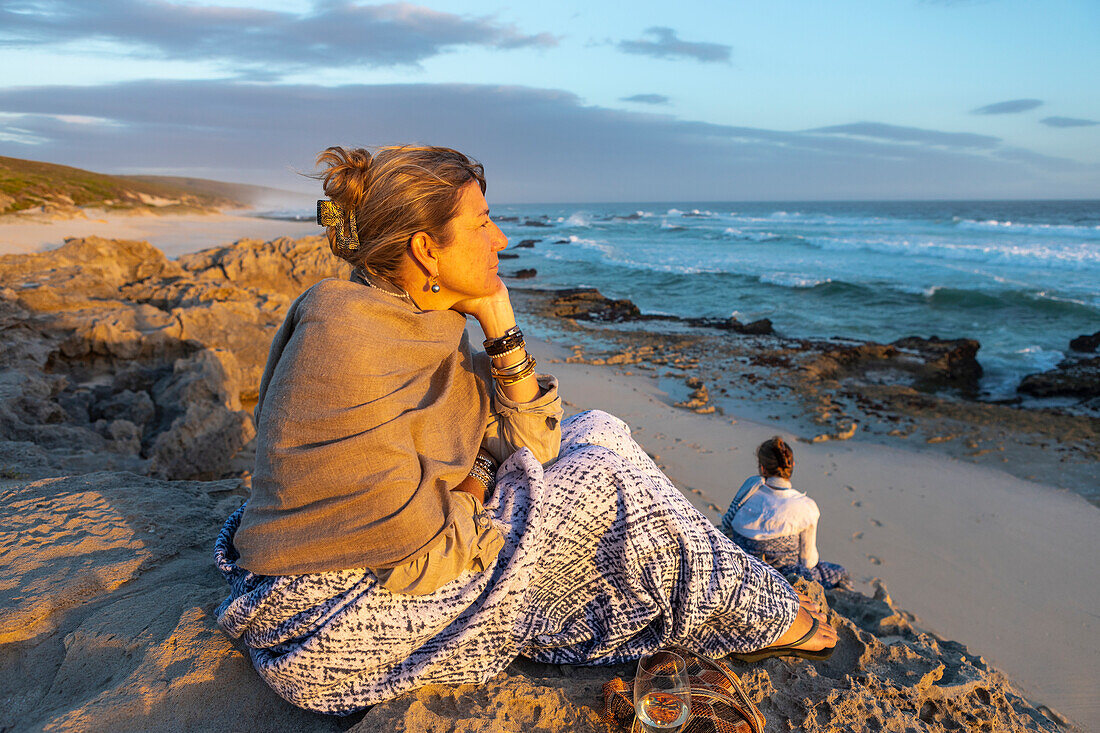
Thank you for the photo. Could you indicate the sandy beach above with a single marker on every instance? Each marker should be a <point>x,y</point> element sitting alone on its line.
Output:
<point>974,553</point>
<point>173,234</point>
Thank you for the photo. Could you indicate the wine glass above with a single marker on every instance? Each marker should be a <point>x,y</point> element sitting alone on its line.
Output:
<point>662,695</point>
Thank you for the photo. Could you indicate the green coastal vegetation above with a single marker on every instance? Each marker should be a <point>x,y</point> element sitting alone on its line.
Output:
<point>28,185</point>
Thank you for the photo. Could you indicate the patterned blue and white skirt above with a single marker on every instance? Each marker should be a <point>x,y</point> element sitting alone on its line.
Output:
<point>782,553</point>
<point>604,560</point>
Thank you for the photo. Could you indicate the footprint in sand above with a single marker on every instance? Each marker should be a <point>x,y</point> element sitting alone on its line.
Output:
<point>857,535</point>
<point>874,560</point>
<point>876,522</point>
<point>714,507</point>
<point>857,503</point>
<point>849,488</point>
<point>697,492</point>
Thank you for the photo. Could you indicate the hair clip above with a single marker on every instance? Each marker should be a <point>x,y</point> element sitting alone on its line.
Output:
<point>331,214</point>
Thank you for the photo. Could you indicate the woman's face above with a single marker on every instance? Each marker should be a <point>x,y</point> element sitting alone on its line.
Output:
<point>468,263</point>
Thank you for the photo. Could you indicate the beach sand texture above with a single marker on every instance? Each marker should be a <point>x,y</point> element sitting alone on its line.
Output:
<point>107,526</point>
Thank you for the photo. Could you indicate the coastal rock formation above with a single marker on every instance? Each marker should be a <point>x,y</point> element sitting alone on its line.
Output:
<point>945,362</point>
<point>1085,343</point>
<point>119,358</point>
<point>1074,376</point>
<point>762,327</point>
<point>110,591</point>
<point>590,304</point>
<point>929,365</point>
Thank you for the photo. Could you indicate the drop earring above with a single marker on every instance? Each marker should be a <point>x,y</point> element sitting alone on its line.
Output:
<point>435,285</point>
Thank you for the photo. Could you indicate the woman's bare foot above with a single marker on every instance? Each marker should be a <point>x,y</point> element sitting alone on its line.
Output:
<point>809,637</point>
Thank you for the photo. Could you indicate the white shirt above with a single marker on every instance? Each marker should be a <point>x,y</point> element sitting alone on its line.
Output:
<point>777,510</point>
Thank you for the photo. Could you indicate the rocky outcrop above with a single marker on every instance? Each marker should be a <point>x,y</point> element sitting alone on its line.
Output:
<point>109,593</point>
<point>118,357</point>
<point>944,362</point>
<point>1085,343</point>
<point>1074,376</point>
<point>590,304</point>
<point>927,364</point>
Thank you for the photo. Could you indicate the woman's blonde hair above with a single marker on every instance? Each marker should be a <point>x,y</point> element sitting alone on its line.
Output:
<point>396,192</point>
<point>775,458</point>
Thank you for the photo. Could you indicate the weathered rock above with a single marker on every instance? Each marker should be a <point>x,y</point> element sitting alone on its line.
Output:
<point>285,266</point>
<point>135,407</point>
<point>90,330</point>
<point>205,427</point>
<point>1073,377</point>
<point>525,274</point>
<point>588,303</point>
<point>946,362</point>
<point>762,327</point>
<point>1085,343</point>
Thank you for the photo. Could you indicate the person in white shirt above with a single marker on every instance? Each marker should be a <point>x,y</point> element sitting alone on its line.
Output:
<point>772,521</point>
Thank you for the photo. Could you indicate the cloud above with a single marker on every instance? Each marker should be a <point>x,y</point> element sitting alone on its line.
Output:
<point>666,46</point>
<point>881,131</point>
<point>1068,122</point>
<point>1011,107</point>
<point>538,145</point>
<point>331,33</point>
<point>646,99</point>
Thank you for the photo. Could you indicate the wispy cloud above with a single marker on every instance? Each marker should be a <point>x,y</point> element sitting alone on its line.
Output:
<point>332,33</point>
<point>1010,107</point>
<point>881,131</point>
<point>646,99</point>
<point>665,45</point>
<point>537,144</point>
<point>1068,122</point>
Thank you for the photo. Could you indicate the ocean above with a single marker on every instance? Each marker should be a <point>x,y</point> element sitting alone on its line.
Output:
<point>1021,277</point>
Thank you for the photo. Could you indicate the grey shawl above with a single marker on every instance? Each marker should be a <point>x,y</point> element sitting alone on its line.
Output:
<point>369,412</point>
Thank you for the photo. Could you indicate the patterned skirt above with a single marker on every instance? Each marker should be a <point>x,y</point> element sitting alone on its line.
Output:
<point>604,560</point>
<point>782,554</point>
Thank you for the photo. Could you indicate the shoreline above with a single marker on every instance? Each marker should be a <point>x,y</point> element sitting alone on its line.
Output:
<point>174,234</point>
<point>955,559</point>
<point>823,390</point>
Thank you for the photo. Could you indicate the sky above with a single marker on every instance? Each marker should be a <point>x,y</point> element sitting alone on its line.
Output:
<point>573,101</point>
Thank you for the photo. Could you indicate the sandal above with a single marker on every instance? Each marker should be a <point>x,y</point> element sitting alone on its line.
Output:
<point>789,650</point>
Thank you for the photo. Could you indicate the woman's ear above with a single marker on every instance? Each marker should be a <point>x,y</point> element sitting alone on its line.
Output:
<point>424,249</point>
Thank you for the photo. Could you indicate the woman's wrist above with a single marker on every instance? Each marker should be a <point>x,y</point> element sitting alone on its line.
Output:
<point>496,317</point>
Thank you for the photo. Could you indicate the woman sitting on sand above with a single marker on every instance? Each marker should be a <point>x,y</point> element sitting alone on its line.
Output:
<point>770,520</point>
<point>383,548</point>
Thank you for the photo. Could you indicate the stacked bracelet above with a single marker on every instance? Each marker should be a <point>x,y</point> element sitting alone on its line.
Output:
<point>479,474</point>
<point>484,471</point>
<point>512,338</point>
<point>487,462</point>
<point>516,373</point>
<point>518,347</point>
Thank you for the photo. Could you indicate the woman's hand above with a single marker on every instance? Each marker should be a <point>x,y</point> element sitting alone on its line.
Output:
<point>493,311</point>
